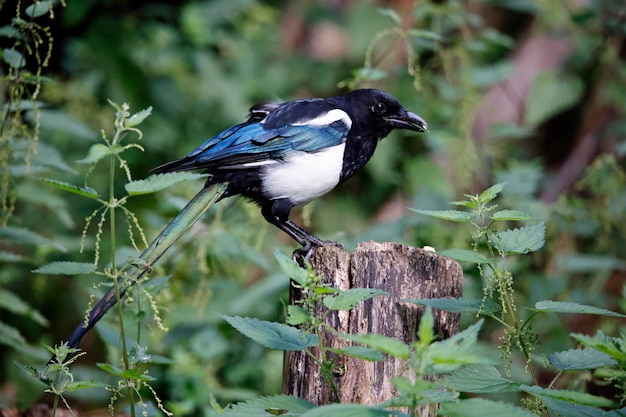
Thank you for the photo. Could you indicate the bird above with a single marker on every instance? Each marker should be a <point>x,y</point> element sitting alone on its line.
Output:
<point>291,153</point>
<point>283,155</point>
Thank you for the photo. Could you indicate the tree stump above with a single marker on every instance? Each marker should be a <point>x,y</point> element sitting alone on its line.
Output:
<point>403,271</point>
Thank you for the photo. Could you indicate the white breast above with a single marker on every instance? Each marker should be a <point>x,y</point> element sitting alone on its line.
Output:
<point>303,176</point>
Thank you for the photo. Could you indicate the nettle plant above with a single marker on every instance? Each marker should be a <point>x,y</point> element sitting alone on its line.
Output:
<point>121,274</point>
<point>458,367</point>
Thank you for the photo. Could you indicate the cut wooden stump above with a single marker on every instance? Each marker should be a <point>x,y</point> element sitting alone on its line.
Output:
<point>403,271</point>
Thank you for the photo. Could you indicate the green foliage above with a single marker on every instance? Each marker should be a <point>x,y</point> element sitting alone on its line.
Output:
<point>550,250</point>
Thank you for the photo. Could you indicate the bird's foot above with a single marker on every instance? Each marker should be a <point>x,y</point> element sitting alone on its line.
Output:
<point>305,252</point>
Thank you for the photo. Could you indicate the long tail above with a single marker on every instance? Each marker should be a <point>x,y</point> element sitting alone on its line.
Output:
<point>204,200</point>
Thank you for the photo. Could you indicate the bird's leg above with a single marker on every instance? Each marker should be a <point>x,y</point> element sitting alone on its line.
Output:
<point>277,213</point>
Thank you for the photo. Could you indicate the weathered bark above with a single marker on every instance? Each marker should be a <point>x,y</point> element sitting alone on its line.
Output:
<point>405,272</point>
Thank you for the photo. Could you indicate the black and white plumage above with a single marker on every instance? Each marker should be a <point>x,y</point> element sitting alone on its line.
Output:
<point>291,153</point>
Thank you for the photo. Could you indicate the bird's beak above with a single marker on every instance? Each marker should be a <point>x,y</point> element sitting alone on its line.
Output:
<point>407,120</point>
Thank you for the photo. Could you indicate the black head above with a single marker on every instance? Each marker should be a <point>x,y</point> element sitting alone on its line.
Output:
<point>378,111</point>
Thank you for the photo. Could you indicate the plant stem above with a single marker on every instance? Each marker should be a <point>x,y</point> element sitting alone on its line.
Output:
<point>114,274</point>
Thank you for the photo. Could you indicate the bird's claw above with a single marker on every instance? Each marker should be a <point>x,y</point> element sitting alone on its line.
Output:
<point>302,255</point>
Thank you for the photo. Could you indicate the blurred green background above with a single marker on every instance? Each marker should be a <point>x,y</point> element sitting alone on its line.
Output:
<point>528,92</point>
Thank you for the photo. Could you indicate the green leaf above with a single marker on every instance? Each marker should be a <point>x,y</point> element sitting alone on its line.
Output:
<point>96,153</point>
<point>479,379</point>
<point>345,300</point>
<point>6,256</point>
<point>491,192</point>
<point>575,397</point>
<point>133,374</point>
<point>291,267</point>
<point>523,240</point>
<point>588,263</point>
<point>512,215</point>
<point>575,359</point>
<point>11,302</point>
<point>269,406</point>
<point>550,94</point>
<point>453,215</point>
<point>138,117</point>
<point>66,268</point>
<point>348,410</point>
<point>426,330</point>
<point>83,191</point>
<point>478,407</point>
<point>427,34</point>
<point>567,409</point>
<point>384,344</point>
<point>28,237</point>
<point>78,385</point>
<point>458,305</point>
<point>465,255</point>
<point>297,315</point>
<point>612,346</point>
<point>391,14</point>
<point>13,58</point>
<point>361,352</point>
<point>450,354</point>
<point>272,335</point>
<point>575,308</point>
<point>39,8</point>
<point>159,182</point>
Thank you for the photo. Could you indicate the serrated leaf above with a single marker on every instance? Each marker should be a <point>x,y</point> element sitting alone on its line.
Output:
<point>512,215</point>
<point>83,191</point>
<point>348,410</point>
<point>133,374</point>
<point>361,352</point>
<point>391,14</point>
<point>567,409</point>
<point>479,379</point>
<point>575,397</point>
<point>269,406</point>
<point>39,8</point>
<point>491,192</point>
<point>465,255</point>
<point>272,335</point>
<point>523,240</point>
<point>297,315</point>
<point>138,117</point>
<point>453,215</point>
<point>550,94</point>
<point>345,300</point>
<point>96,153</point>
<point>26,236</point>
<point>66,268</point>
<point>575,308</point>
<point>11,302</point>
<point>612,346</point>
<point>478,407</point>
<point>458,305</point>
<point>159,182</point>
<point>78,385</point>
<point>458,350</point>
<point>291,268</point>
<point>13,58</point>
<point>384,344</point>
<point>575,359</point>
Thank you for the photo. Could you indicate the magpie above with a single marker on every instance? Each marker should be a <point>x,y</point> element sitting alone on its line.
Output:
<point>291,153</point>
<point>282,156</point>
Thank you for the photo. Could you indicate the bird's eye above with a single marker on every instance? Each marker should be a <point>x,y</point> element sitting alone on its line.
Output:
<point>379,108</point>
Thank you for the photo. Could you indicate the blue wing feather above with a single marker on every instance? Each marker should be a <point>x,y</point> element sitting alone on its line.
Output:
<point>281,132</point>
